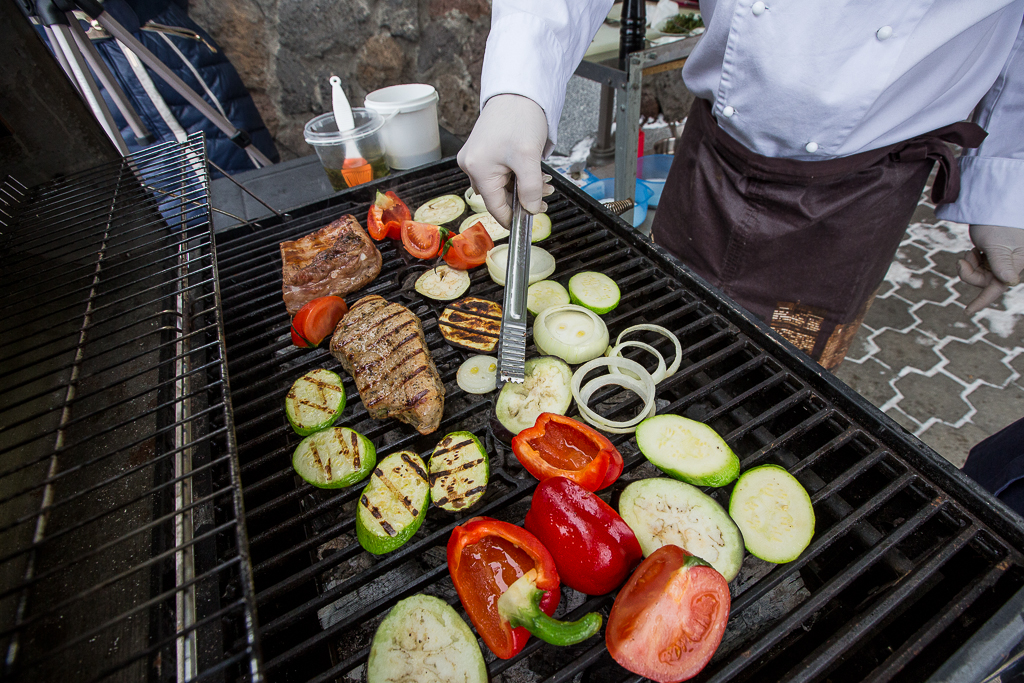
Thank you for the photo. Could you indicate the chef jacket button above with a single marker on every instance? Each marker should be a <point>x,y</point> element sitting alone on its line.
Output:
<point>811,147</point>
<point>758,8</point>
<point>883,33</point>
<point>728,111</point>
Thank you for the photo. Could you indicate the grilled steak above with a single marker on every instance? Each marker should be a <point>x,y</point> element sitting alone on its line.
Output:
<point>381,345</point>
<point>336,259</point>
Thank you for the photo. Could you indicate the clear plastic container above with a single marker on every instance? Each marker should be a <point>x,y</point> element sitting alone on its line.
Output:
<point>605,189</point>
<point>351,157</point>
<point>653,170</point>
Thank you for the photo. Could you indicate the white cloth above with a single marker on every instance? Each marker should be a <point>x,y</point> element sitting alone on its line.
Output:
<point>810,80</point>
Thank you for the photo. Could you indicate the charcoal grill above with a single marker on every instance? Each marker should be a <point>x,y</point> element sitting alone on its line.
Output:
<point>910,560</point>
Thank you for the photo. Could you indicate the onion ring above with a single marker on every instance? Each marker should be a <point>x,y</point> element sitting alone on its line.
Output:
<point>657,375</point>
<point>644,388</point>
<point>665,333</point>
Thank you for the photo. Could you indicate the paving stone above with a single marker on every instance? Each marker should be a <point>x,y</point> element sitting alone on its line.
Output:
<point>931,287</point>
<point>913,257</point>
<point>1018,365</point>
<point>885,288</point>
<point>996,407</point>
<point>889,312</point>
<point>924,214</point>
<point>927,397</point>
<point>1005,329</point>
<point>945,263</point>
<point>870,378</point>
<point>976,360</point>
<point>946,321</point>
<point>860,347</point>
<point>967,292</point>
<point>909,349</point>
<point>903,420</point>
<point>953,443</point>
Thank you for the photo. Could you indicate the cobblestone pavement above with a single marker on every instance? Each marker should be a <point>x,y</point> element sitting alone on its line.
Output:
<point>949,379</point>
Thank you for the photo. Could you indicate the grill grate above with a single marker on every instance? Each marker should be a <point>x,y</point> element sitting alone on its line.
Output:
<point>908,560</point>
<point>122,553</point>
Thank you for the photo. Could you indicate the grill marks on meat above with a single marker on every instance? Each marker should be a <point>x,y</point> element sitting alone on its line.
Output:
<point>381,344</point>
<point>335,260</point>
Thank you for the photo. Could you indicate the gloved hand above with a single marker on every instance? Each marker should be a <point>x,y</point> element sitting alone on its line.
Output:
<point>994,264</point>
<point>508,138</point>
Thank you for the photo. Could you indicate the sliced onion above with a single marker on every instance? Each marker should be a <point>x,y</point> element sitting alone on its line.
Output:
<point>616,352</point>
<point>542,264</point>
<point>478,375</point>
<point>665,333</point>
<point>573,333</point>
<point>644,388</point>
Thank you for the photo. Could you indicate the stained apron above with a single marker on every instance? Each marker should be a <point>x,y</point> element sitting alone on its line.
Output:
<point>803,245</point>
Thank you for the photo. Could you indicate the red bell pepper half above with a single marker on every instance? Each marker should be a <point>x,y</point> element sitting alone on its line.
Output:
<point>594,549</point>
<point>508,584</point>
<point>386,215</point>
<point>559,446</point>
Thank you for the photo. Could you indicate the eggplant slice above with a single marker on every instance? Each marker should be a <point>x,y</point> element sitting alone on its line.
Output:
<point>471,323</point>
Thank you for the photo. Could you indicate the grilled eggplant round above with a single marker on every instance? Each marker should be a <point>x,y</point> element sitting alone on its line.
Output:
<point>472,324</point>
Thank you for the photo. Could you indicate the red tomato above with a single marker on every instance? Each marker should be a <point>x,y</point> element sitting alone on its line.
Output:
<point>422,240</point>
<point>669,618</point>
<point>317,320</point>
<point>469,249</point>
<point>386,216</point>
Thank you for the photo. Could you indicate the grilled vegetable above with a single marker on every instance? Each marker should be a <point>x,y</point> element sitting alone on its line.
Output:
<point>542,264</point>
<point>669,618</point>
<point>573,333</point>
<point>546,390</point>
<point>687,450</point>
<point>440,210</point>
<point>422,240</point>
<point>443,283</point>
<point>490,223</point>
<point>458,470</point>
<point>559,446</point>
<point>468,249</point>
<point>472,324</point>
<point>386,215</point>
<point>316,321</point>
<point>478,375</point>
<point>541,227</point>
<point>393,503</point>
<point>596,291</point>
<point>668,512</point>
<point>774,512</point>
<point>544,294</point>
<point>423,639</point>
<point>315,401</point>
<point>475,201</point>
<point>334,458</point>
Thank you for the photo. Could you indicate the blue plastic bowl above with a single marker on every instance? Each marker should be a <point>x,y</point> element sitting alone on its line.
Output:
<point>605,189</point>
<point>653,169</point>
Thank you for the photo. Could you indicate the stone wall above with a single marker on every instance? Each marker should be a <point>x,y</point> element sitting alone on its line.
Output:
<point>286,50</point>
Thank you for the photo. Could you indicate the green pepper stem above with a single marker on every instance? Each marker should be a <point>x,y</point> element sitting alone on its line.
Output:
<point>520,606</point>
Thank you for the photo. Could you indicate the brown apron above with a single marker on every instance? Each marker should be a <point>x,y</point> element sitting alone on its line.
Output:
<point>803,245</point>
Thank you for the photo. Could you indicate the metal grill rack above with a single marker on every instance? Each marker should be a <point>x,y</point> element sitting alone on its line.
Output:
<point>909,560</point>
<point>122,552</point>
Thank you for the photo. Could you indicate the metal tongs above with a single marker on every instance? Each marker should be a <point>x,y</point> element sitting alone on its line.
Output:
<point>512,340</point>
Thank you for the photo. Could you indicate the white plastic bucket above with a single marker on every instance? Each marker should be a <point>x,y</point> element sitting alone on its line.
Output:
<point>410,133</point>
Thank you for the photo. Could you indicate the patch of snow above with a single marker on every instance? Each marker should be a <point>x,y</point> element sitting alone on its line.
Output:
<point>899,274</point>
<point>944,236</point>
<point>580,152</point>
<point>1003,322</point>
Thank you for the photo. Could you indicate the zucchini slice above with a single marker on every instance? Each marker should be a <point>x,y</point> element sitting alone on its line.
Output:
<point>471,323</point>
<point>667,512</point>
<point>595,291</point>
<point>423,639</point>
<point>544,294</point>
<point>440,210</point>
<point>774,512</point>
<point>334,458</point>
<point>687,450</point>
<point>541,227</point>
<point>393,503</point>
<point>490,223</point>
<point>547,389</point>
<point>443,283</point>
<point>459,470</point>
<point>315,401</point>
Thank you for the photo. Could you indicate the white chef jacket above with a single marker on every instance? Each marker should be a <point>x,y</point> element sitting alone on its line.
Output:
<point>813,79</point>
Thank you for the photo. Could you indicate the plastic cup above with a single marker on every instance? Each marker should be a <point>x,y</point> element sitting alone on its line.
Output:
<point>653,170</point>
<point>410,133</point>
<point>350,157</point>
<point>605,189</point>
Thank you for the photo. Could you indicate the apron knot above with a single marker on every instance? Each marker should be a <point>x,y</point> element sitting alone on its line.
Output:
<point>936,145</point>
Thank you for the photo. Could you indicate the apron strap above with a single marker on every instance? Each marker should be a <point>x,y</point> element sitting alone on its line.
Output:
<point>946,187</point>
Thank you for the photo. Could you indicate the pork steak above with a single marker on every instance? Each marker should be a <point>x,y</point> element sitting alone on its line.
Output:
<point>381,344</point>
<point>335,260</point>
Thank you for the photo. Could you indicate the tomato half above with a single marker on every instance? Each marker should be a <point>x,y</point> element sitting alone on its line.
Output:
<point>468,249</point>
<point>386,216</point>
<point>317,320</point>
<point>669,618</point>
<point>422,240</point>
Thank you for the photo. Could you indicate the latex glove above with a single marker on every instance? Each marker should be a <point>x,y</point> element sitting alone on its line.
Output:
<point>994,264</point>
<point>508,138</point>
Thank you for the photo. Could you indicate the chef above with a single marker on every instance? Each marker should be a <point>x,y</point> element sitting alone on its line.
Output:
<point>814,131</point>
